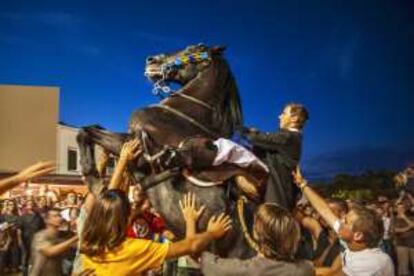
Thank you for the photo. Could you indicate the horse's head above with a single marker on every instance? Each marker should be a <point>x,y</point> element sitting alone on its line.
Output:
<point>182,66</point>
<point>205,77</point>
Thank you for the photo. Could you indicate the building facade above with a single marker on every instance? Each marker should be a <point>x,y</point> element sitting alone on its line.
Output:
<point>28,118</point>
<point>30,132</point>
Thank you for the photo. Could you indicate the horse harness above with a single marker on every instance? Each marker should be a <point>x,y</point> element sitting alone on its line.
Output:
<point>162,90</point>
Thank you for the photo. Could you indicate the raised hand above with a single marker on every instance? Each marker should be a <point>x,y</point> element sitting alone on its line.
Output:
<point>297,176</point>
<point>189,209</point>
<point>130,150</point>
<point>219,225</point>
<point>36,170</point>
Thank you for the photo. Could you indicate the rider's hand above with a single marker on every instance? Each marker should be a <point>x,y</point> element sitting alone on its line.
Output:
<point>218,226</point>
<point>189,209</point>
<point>35,170</point>
<point>130,150</point>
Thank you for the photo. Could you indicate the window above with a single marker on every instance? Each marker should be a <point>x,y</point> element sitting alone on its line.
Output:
<point>72,160</point>
<point>110,166</point>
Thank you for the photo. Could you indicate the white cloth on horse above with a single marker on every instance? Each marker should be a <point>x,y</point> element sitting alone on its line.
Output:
<point>233,153</point>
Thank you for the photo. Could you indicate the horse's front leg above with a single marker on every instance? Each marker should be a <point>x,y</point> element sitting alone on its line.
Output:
<point>87,154</point>
<point>87,138</point>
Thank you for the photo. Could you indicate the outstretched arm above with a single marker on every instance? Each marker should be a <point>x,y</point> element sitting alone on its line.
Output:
<point>317,202</point>
<point>58,249</point>
<point>195,243</point>
<point>27,174</point>
<point>268,141</point>
<point>129,152</point>
<point>217,227</point>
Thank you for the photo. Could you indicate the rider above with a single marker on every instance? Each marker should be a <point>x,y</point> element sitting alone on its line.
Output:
<point>281,151</point>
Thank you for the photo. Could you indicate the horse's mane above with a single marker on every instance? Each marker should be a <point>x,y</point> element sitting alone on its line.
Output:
<point>229,114</point>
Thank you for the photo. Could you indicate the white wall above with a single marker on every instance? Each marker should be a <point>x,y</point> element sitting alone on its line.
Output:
<point>66,139</point>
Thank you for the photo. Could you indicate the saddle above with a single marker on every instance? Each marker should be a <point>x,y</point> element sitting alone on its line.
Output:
<point>198,155</point>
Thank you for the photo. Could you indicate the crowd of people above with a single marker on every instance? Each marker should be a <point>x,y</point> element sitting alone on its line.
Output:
<point>113,230</point>
<point>323,237</point>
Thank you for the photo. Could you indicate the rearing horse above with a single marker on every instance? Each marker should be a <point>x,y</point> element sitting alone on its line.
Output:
<point>207,104</point>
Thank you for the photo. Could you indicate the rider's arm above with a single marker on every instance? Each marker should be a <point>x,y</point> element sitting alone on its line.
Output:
<point>268,141</point>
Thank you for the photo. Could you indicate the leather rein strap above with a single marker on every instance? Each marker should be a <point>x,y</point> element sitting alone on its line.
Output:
<point>187,118</point>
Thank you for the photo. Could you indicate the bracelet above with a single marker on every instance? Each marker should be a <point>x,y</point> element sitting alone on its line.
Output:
<point>303,184</point>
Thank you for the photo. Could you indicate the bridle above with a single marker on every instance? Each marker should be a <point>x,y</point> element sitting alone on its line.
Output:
<point>164,91</point>
<point>161,87</point>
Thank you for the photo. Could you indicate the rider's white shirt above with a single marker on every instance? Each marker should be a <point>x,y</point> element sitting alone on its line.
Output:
<point>231,152</point>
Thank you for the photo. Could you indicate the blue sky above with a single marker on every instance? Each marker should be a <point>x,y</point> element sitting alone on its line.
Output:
<point>350,62</point>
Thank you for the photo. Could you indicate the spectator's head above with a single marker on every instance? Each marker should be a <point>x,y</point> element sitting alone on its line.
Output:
<point>106,234</point>
<point>29,206</point>
<point>361,228</point>
<point>277,232</point>
<point>42,202</point>
<point>338,207</point>
<point>293,116</point>
<point>401,208</point>
<point>53,218</point>
<point>71,198</point>
<point>9,207</point>
<point>384,203</point>
<point>379,211</point>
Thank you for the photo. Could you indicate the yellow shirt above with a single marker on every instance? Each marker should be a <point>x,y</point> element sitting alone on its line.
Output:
<point>132,257</point>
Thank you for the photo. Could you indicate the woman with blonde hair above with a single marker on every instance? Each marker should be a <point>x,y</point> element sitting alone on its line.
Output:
<point>277,234</point>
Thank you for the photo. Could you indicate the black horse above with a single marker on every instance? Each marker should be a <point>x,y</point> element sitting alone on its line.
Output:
<point>207,105</point>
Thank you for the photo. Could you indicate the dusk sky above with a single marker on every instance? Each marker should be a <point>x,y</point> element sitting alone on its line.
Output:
<point>350,62</point>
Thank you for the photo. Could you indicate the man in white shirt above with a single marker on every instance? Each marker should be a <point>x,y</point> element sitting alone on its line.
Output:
<point>360,234</point>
